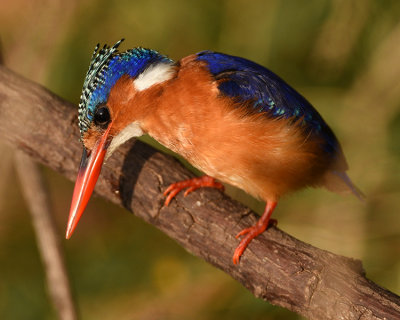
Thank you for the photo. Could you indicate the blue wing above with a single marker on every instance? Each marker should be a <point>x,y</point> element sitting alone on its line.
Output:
<point>264,91</point>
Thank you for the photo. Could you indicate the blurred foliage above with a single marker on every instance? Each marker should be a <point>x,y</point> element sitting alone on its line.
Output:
<point>342,55</point>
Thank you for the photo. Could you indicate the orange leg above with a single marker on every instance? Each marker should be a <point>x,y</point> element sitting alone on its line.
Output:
<point>191,184</point>
<point>252,232</point>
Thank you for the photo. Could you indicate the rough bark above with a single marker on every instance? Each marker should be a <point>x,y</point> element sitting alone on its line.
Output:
<point>276,267</point>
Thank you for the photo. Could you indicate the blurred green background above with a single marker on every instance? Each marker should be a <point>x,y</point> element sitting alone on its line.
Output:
<point>343,55</point>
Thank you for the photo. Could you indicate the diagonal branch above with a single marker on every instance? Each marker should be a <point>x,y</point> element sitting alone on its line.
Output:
<point>276,267</point>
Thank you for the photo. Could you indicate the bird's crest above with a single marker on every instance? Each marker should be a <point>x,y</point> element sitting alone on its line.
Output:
<point>106,67</point>
<point>93,77</point>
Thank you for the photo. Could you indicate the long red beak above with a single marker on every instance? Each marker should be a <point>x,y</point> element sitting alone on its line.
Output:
<point>89,171</point>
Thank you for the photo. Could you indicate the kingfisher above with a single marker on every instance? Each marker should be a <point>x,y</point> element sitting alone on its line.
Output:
<point>235,120</point>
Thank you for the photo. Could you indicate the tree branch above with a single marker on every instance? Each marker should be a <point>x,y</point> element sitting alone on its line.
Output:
<point>36,197</point>
<point>276,267</point>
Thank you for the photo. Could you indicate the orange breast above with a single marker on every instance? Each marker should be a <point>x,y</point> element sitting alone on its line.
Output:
<point>265,157</point>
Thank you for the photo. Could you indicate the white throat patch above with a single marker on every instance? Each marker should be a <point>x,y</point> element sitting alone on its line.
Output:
<point>154,74</point>
<point>130,131</point>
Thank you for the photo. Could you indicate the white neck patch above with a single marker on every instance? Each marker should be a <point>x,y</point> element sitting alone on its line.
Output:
<point>130,131</point>
<point>154,74</point>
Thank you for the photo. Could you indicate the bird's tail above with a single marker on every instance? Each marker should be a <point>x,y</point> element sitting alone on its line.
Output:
<point>339,182</point>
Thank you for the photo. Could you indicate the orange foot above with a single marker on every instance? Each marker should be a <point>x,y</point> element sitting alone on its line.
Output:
<point>252,232</point>
<point>191,184</point>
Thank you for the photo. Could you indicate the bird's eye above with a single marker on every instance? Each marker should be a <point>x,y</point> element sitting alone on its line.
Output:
<point>102,116</point>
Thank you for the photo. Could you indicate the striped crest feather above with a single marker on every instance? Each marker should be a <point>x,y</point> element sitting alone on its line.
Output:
<point>106,67</point>
<point>94,77</point>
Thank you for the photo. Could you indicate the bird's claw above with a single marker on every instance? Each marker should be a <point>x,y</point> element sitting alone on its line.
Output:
<point>243,232</point>
<point>191,184</point>
<point>249,234</point>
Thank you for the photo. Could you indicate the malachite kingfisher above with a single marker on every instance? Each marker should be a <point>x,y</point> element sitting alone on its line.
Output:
<point>233,119</point>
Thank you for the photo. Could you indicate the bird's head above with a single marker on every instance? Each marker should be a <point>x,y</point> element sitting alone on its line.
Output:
<point>114,82</point>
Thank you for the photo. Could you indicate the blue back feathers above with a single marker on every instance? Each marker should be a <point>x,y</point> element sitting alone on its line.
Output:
<point>264,91</point>
<point>106,67</point>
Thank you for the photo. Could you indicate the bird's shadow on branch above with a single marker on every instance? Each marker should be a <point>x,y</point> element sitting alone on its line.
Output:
<point>132,165</point>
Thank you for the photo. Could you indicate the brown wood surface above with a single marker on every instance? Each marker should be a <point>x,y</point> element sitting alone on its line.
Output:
<point>276,267</point>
